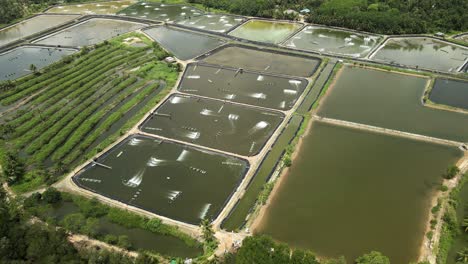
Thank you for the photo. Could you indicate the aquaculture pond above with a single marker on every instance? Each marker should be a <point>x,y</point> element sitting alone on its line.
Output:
<point>183,44</point>
<point>32,26</point>
<point>214,123</point>
<point>422,52</point>
<point>450,92</point>
<point>329,40</point>
<point>243,87</point>
<point>212,22</point>
<point>265,30</point>
<point>354,191</point>
<point>90,32</point>
<point>139,238</point>
<point>390,100</point>
<point>169,179</point>
<point>162,12</point>
<point>264,61</point>
<point>16,63</point>
<point>102,8</point>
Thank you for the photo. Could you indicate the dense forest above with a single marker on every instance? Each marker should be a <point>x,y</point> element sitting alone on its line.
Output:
<point>10,10</point>
<point>379,16</point>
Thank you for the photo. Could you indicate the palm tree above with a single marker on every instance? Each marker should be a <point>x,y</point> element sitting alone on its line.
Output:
<point>207,230</point>
<point>33,68</point>
<point>462,255</point>
<point>465,224</point>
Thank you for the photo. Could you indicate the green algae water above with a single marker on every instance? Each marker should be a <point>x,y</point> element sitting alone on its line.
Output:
<point>350,192</point>
<point>32,26</point>
<point>172,180</point>
<point>390,100</point>
<point>265,31</point>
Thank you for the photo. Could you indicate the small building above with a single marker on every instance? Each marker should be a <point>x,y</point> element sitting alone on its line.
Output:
<point>439,34</point>
<point>305,11</point>
<point>169,59</point>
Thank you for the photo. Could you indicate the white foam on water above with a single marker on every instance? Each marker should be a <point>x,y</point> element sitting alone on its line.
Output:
<point>206,112</point>
<point>184,7</point>
<point>364,47</point>
<point>183,13</point>
<point>176,100</point>
<point>348,39</point>
<point>289,91</point>
<point>193,135</point>
<point>238,19</point>
<point>260,78</point>
<point>354,37</point>
<point>193,77</point>
<point>136,180</point>
<point>228,25</point>
<point>294,82</point>
<point>135,142</point>
<point>230,96</point>
<point>156,9</point>
<point>307,32</point>
<point>209,16</point>
<point>291,44</point>
<point>183,155</point>
<point>349,44</point>
<point>310,27</point>
<point>233,117</point>
<point>259,126</point>
<point>258,95</point>
<point>172,195</point>
<point>163,15</point>
<point>154,162</point>
<point>204,211</point>
<point>192,23</point>
<point>323,36</point>
<point>201,27</point>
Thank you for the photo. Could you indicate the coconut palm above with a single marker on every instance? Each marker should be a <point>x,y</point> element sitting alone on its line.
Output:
<point>462,255</point>
<point>465,224</point>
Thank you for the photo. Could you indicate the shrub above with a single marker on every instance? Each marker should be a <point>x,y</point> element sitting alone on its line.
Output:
<point>52,196</point>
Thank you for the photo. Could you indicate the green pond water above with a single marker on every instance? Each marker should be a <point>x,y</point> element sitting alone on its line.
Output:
<point>450,92</point>
<point>102,8</point>
<point>264,61</point>
<point>216,124</point>
<point>184,45</point>
<point>162,12</point>
<point>169,179</point>
<point>32,26</point>
<point>390,100</point>
<point>461,241</point>
<point>335,41</point>
<point>15,63</point>
<point>350,192</point>
<point>265,31</point>
<point>90,32</point>
<point>247,87</point>
<point>423,52</point>
<point>138,238</point>
<point>213,22</point>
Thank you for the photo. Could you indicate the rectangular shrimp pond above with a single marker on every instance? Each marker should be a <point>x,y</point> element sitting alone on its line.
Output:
<point>390,100</point>
<point>161,12</point>
<point>90,32</point>
<point>450,92</point>
<point>422,52</point>
<point>212,22</point>
<point>354,191</point>
<point>183,44</point>
<point>264,60</point>
<point>266,31</point>
<point>16,63</point>
<point>102,8</point>
<point>32,26</point>
<point>239,129</point>
<point>169,179</point>
<point>242,87</point>
<point>330,40</point>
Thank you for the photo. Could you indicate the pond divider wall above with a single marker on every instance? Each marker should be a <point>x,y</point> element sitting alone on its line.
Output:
<point>75,177</point>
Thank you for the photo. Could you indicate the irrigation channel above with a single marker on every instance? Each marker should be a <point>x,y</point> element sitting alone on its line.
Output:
<point>212,141</point>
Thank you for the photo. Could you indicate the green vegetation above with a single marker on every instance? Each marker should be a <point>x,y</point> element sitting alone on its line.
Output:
<point>373,258</point>
<point>69,105</point>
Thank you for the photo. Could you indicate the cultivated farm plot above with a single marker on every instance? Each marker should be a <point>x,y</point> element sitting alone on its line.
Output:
<point>184,45</point>
<point>90,32</point>
<point>216,124</point>
<point>335,41</point>
<point>102,8</point>
<point>390,100</point>
<point>213,22</point>
<point>161,12</point>
<point>422,52</point>
<point>32,26</point>
<point>242,87</point>
<point>16,63</point>
<point>169,179</point>
<point>263,61</point>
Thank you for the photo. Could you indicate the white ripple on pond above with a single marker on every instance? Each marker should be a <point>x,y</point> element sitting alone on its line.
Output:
<point>206,112</point>
<point>193,135</point>
<point>136,180</point>
<point>154,162</point>
<point>289,91</point>
<point>183,155</point>
<point>258,95</point>
<point>135,142</point>
<point>172,195</point>
<point>259,126</point>
<point>204,211</point>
